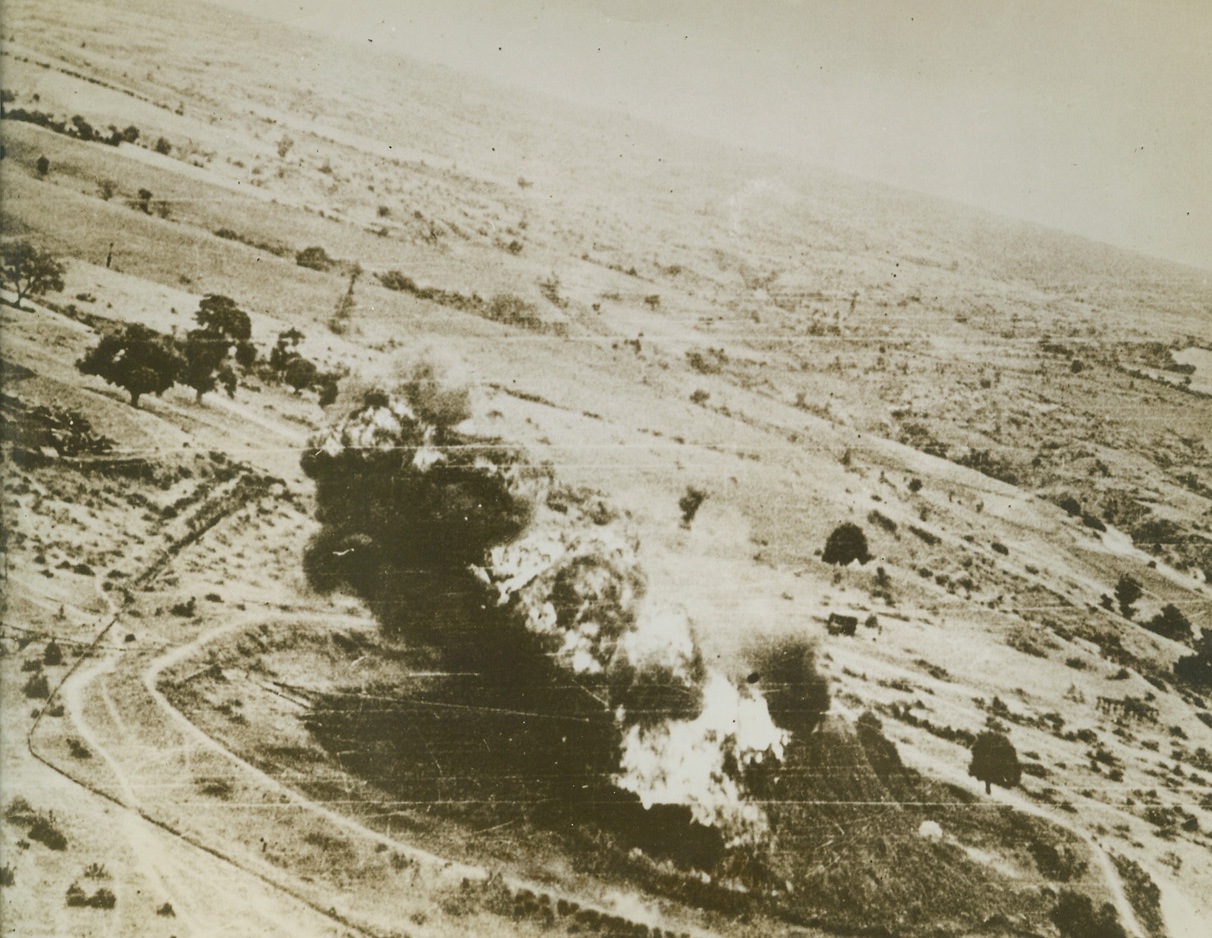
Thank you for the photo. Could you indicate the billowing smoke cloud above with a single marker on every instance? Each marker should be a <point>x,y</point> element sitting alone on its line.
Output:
<point>538,584</point>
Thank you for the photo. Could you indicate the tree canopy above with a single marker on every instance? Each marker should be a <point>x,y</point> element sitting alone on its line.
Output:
<point>205,362</point>
<point>994,761</point>
<point>29,271</point>
<point>221,315</point>
<point>846,543</point>
<point>135,358</point>
<point>1127,591</point>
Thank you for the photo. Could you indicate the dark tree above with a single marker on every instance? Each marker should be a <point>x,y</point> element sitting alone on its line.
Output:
<point>220,314</point>
<point>1170,623</point>
<point>144,203</point>
<point>137,359</point>
<point>1196,669</point>
<point>300,373</point>
<point>285,349</point>
<point>29,271</point>
<point>327,388</point>
<point>1127,592</point>
<point>42,166</point>
<point>847,543</point>
<point>205,353</point>
<point>246,355</point>
<point>994,761</point>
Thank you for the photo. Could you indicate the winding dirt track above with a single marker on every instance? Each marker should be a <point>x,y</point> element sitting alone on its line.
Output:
<point>218,884</point>
<point>1180,928</point>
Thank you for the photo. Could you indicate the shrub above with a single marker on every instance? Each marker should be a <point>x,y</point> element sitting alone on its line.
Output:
<point>845,544</point>
<point>1062,863</point>
<point>1075,917</point>
<point>394,280</point>
<point>44,831</point>
<point>8,876</point>
<point>53,655</point>
<point>882,520</point>
<point>42,166</point>
<point>315,258</point>
<point>163,147</point>
<point>1070,505</point>
<point>20,812</point>
<point>37,687</point>
<point>690,503</point>
<point>514,311</point>
<point>103,898</point>
<point>1127,591</point>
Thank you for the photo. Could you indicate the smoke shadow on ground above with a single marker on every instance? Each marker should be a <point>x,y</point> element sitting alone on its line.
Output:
<point>485,750</point>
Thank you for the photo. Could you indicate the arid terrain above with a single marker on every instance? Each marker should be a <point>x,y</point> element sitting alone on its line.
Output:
<point>737,353</point>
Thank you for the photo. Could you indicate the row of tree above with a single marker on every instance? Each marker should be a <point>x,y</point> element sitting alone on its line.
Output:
<point>141,360</point>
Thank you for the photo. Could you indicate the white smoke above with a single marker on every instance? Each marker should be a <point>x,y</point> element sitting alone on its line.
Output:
<point>697,761</point>
<point>687,762</point>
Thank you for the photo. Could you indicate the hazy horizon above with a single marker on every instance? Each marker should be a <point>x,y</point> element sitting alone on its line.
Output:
<point>1091,118</point>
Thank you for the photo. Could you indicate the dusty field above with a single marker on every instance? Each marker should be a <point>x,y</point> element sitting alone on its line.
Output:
<point>805,348</point>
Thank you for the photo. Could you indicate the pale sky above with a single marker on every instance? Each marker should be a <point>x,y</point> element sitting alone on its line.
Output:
<point>1094,116</point>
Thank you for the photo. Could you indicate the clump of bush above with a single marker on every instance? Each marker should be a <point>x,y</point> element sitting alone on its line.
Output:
<point>37,687</point>
<point>43,830</point>
<point>315,258</point>
<point>1170,623</point>
<point>1074,916</point>
<point>1196,669</point>
<point>690,504</point>
<point>103,898</point>
<point>709,361</point>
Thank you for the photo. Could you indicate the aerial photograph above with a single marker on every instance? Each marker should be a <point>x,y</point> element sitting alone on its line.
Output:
<point>612,468</point>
